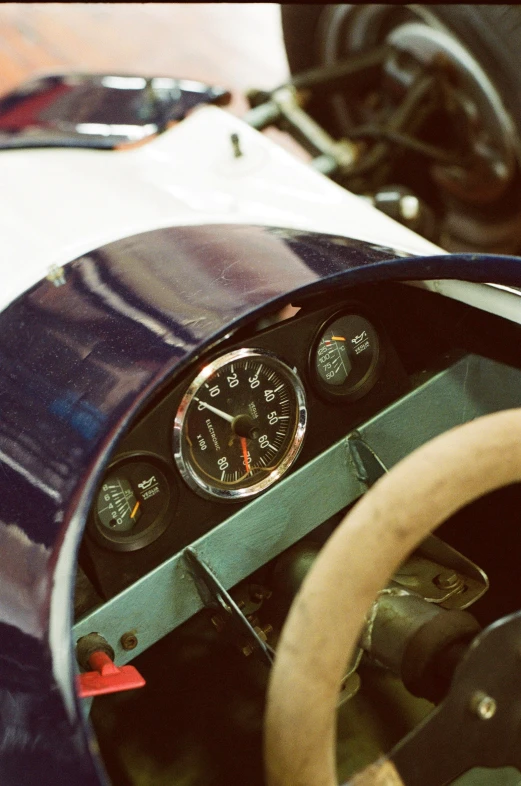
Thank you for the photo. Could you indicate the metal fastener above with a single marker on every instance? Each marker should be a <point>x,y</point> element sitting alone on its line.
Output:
<point>449,580</point>
<point>409,207</point>
<point>236,145</point>
<point>263,632</point>
<point>218,623</point>
<point>56,275</point>
<point>128,641</point>
<point>258,593</point>
<point>482,705</point>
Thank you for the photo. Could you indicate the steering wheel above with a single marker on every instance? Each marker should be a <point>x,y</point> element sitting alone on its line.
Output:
<point>328,614</point>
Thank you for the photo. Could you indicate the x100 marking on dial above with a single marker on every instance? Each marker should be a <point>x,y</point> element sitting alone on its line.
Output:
<point>240,425</point>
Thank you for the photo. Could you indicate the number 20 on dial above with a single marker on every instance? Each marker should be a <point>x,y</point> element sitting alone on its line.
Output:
<point>240,425</point>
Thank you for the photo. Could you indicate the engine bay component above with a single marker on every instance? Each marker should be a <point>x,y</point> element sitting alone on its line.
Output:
<point>346,357</point>
<point>132,504</point>
<point>240,425</point>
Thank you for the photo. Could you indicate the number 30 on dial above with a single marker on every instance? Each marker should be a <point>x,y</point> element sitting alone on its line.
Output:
<point>240,425</point>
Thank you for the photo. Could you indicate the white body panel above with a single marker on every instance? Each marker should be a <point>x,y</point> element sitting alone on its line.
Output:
<point>60,203</point>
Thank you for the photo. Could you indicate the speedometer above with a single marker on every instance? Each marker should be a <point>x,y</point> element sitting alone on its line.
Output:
<point>240,425</point>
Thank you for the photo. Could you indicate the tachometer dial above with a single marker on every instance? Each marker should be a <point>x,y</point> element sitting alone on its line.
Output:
<point>240,425</point>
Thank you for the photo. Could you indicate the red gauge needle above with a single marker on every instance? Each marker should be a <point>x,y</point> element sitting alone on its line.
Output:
<point>245,453</point>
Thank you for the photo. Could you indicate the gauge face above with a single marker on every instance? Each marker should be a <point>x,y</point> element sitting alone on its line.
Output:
<point>240,425</point>
<point>345,359</point>
<point>131,505</point>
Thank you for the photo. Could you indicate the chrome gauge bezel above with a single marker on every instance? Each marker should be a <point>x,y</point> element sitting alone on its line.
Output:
<point>190,476</point>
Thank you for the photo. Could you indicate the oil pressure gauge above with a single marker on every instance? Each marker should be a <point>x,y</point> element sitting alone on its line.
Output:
<point>240,425</point>
<point>134,504</point>
<point>346,357</point>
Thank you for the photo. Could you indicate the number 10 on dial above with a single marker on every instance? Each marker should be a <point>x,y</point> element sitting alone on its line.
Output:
<point>240,425</point>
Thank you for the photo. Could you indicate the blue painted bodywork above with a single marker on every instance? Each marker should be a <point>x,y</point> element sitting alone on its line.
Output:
<point>78,361</point>
<point>97,110</point>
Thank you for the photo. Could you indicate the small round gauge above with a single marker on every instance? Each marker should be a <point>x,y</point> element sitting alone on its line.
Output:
<point>132,504</point>
<point>346,357</point>
<point>240,425</point>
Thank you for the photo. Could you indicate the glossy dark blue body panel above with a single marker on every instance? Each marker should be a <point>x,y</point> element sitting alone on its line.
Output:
<point>97,110</point>
<point>77,362</point>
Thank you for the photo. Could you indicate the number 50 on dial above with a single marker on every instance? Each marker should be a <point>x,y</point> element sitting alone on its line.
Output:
<point>240,425</point>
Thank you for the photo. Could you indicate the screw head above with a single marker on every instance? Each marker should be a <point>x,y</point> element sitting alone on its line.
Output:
<point>129,641</point>
<point>483,706</point>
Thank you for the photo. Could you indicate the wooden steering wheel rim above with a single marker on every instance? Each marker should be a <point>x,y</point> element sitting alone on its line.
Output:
<point>328,614</point>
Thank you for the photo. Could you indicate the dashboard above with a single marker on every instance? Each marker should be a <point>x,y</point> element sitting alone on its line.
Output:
<point>237,422</point>
<point>403,366</point>
<point>382,366</point>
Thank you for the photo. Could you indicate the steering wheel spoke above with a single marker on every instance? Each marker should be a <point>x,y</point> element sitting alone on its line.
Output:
<point>479,722</point>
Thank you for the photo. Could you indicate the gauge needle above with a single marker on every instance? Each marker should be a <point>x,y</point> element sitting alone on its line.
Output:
<point>245,453</point>
<point>338,338</point>
<point>219,412</point>
<point>136,506</point>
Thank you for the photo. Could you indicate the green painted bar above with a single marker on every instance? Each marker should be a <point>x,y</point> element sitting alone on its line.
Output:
<point>163,599</point>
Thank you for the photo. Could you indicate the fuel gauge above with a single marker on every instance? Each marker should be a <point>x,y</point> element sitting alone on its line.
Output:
<point>133,504</point>
<point>346,357</point>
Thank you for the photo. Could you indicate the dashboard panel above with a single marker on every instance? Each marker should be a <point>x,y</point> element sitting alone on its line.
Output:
<point>439,364</point>
<point>148,475</point>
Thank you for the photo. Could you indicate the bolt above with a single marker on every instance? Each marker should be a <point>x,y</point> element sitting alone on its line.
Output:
<point>409,207</point>
<point>258,594</point>
<point>449,580</point>
<point>482,705</point>
<point>263,632</point>
<point>236,145</point>
<point>56,275</point>
<point>128,641</point>
<point>218,623</point>
<point>247,650</point>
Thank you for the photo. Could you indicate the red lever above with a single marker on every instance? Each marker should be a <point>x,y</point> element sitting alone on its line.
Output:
<point>107,677</point>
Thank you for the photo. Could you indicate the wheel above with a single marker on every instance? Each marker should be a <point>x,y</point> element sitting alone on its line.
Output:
<point>478,202</point>
<point>330,611</point>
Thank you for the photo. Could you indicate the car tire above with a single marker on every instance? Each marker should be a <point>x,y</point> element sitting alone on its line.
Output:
<point>490,36</point>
